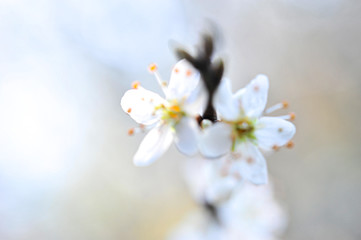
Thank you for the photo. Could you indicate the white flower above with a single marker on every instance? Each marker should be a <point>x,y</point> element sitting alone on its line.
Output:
<point>251,214</point>
<point>209,180</point>
<point>243,129</point>
<point>170,118</point>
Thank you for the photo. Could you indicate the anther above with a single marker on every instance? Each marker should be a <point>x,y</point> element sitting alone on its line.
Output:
<point>152,67</point>
<point>285,104</point>
<point>290,144</point>
<point>135,85</point>
<point>275,147</point>
<point>131,132</point>
<point>188,73</point>
<point>129,110</point>
<point>176,70</point>
<point>175,108</point>
<point>292,116</point>
<point>256,88</point>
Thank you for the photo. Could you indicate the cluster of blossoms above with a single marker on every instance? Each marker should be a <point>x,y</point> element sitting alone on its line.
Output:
<point>237,135</point>
<point>223,134</point>
<point>251,214</point>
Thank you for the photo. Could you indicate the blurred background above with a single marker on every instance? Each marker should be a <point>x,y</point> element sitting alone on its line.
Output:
<point>66,168</point>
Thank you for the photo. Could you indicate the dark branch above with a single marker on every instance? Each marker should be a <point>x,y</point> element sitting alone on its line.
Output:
<point>211,71</point>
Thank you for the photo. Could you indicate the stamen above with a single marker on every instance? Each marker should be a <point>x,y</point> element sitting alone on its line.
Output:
<point>188,73</point>
<point>135,85</point>
<point>129,110</point>
<point>176,70</point>
<point>291,116</point>
<point>175,108</point>
<point>282,105</point>
<point>153,69</point>
<point>139,129</point>
<point>290,144</point>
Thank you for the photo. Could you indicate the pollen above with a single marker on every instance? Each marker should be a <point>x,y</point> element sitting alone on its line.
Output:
<point>292,116</point>
<point>131,132</point>
<point>284,104</point>
<point>152,67</point>
<point>135,85</point>
<point>290,144</point>
<point>188,73</point>
<point>129,110</point>
<point>175,108</point>
<point>275,147</point>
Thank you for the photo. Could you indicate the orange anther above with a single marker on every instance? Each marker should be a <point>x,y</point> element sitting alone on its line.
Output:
<point>284,104</point>
<point>176,70</point>
<point>131,132</point>
<point>256,88</point>
<point>152,67</point>
<point>175,108</point>
<point>290,144</point>
<point>292,116</point>
<point>275,147</point>
<point>188,73</point>
<point>129,110</point>
<point>135,85</point>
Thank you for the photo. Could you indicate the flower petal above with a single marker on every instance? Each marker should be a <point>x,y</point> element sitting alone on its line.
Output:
<point>154,144</point>
<point>183,80</point>
<point>273,132</point>
<point>196,102</point>
<point>254,98</point>
<point>215,140</point>
<point>250,164</point>
<point>224,102</point>
<point>139,104</point>
<point>186,138</point>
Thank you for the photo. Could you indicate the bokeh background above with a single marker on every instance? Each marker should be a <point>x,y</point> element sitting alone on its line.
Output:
<point>66,167</point>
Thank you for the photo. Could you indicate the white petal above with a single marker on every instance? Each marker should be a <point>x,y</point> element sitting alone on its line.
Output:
<point>186,138</point>
<point>139,104</point>
<point>251,164</point>
<point>183,80</point>
<point>273,131</point>
<point>215,140</point>
<point>254,98</point>
<point>154,144</point>
<point>196,102</point>
<point>224,102</point>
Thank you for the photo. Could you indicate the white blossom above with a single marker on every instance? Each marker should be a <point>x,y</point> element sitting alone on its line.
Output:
<point>170,118</point>
<point>251,214</point>
<point>243,130</point>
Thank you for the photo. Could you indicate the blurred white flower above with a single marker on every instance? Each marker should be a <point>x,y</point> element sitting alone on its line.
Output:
<point>251,214</point>
<point>208,179</point>
<point>169,118</point>
<point>243,129</point>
